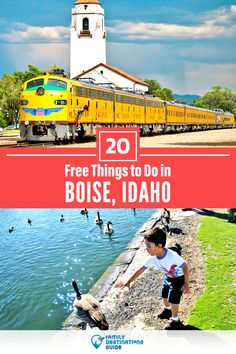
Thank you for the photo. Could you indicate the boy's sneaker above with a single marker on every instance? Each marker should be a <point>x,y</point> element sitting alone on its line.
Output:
<point>165,314</point>
<point>174,324</point>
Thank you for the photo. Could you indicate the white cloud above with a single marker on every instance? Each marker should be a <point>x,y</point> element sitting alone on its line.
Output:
<point>173,66</point>
<point>215,24</point>
<point>211,75</point>
<point>218,23</point>
<point>222,16</point>
<point>23,33</point>
<point>41,55</point>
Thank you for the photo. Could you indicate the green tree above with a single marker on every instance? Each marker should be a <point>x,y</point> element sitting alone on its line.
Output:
<point>3,122</point>
<point>19,77</point>
<point>153,86</point>
<point>157,90</point>
<point>10,99</point>
<point>218,98</point>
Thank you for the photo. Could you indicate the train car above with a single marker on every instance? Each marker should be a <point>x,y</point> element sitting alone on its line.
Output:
<point>155,115</point>
<point>55,108</point>
<point>200,118</point>
<point>46,113</point>
<point>229,120</point>
<point>59,109</point>
<point>175,117</point>
<point>223,118</point>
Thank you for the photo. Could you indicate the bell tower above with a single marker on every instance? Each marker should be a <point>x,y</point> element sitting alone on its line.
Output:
<point>87,36</point>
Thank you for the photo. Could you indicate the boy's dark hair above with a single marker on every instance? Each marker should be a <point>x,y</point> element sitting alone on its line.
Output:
<point>156,235</point>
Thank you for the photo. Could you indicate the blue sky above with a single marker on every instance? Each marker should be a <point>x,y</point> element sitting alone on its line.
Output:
<point>187,45</point>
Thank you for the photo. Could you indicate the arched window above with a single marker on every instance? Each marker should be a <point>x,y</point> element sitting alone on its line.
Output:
<point>85,24</point>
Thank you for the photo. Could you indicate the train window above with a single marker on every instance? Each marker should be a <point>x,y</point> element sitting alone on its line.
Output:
<point>129,100</point>
<point>96,105</point>
<point>34,83</point>
<point>77,102</point>
<point>57,83</point>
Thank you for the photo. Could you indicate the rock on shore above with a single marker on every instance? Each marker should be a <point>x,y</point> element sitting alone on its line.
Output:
<point>138,307</point>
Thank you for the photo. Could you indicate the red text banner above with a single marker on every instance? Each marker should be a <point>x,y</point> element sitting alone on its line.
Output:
<point>119,174</point>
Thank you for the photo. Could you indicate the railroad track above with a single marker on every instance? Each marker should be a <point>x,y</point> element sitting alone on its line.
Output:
<point>25,145</point>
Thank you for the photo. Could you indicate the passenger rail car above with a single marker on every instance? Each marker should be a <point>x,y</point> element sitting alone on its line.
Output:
<point>60,109</point>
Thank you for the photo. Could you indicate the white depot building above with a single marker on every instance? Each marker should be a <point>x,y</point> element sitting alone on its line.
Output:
<point>88,49</point>
<point>87,36</point>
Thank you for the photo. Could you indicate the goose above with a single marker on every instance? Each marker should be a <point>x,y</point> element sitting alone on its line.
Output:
<point>62,218</point>
<point>11,229</point>
<point>108,229</point>
<point>166,226</point>
<point>98,220</point>
<point>166,215</point>
<point>172,230</point>
<point>88,309</point>
<point>176,248</point>
<point>84,211</point>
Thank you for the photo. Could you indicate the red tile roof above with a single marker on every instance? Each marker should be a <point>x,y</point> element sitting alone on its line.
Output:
<point>116,70</point>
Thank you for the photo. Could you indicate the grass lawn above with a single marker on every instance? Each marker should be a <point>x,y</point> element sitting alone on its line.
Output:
<point>216,308</point>
<point>11,131</point>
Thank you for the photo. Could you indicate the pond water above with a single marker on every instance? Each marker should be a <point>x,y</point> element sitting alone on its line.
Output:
<point>38,261</point>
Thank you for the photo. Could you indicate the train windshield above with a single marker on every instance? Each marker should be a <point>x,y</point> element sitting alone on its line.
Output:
<point>57,83</point>
<point>36,82</point>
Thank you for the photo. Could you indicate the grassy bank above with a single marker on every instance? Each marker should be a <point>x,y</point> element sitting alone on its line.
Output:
<point>216,308</point>
<point>10,131</point>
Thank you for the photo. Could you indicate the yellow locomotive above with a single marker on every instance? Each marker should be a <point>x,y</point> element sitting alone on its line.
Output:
<point>55,108</point>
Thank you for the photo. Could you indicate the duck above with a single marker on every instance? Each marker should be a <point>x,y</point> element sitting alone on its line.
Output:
<point>11,229</point>
<point>108,229</point>
<point>84,211</point>
<point>98,220</point>
<point>62,218</point>
<point>88,309</point>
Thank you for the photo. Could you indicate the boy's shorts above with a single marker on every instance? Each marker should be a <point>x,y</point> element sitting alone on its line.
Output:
<point>171,289</point>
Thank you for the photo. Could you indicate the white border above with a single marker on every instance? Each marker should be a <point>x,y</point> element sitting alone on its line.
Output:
<point>118,131</point>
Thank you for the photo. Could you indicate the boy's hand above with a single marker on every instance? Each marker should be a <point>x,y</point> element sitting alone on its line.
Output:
<point>121,284</point>
<point>185,288</point>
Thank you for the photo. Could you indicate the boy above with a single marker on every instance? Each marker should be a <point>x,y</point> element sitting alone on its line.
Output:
<point>176,280</point>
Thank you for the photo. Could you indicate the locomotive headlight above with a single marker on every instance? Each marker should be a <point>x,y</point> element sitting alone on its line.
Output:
<point>24,102</point>
<point>40,91</point>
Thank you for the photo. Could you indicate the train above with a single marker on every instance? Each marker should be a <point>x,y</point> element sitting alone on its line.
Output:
<point>61,110</point>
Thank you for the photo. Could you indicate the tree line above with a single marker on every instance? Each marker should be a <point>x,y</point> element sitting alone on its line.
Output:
<point>11,86</point>
<point>216,98</point>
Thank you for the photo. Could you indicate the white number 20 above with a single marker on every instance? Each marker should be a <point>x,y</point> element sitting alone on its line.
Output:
<point>120,146</point>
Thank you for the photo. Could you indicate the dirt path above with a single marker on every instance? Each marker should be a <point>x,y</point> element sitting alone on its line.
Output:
<point>210,138</point>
